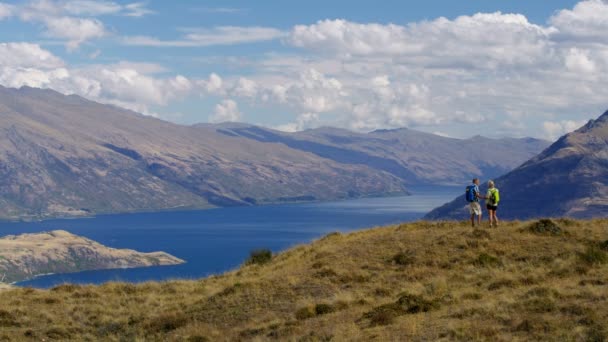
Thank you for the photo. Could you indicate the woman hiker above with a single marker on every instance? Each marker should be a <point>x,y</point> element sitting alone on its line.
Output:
<point>492,198</point>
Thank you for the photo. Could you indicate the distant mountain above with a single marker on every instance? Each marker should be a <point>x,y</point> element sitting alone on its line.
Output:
<point>416,157</point>
<point>570,178</point>
<point>67,156</point>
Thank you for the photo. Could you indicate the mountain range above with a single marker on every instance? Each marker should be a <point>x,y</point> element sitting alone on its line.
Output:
<point>67,156</point>
<point>413,156</point>
<point>569,178</point>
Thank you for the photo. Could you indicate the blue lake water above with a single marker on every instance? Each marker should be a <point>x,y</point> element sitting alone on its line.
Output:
<point>217,240</point>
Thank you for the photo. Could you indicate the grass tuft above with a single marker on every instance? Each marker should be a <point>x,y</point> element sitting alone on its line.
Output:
<point>406,304</point>
<point>594,255</point>
<point>259,257</point>
<point>545,227</point>
<point>404,258</point>
<point>7,319</point>
<point>487,260</point>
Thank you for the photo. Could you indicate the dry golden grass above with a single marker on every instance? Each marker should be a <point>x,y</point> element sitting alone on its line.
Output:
<point>418,281</point>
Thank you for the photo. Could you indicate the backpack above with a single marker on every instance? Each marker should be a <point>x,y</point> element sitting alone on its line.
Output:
<point>469,193</point>
<point>494,196</point>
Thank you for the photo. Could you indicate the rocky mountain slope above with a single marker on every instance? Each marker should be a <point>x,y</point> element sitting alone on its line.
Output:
<point>570,178</point>
<point>28,255</point>
<point>67,156</point>
<point>64,155</point>
<point>416,157</point>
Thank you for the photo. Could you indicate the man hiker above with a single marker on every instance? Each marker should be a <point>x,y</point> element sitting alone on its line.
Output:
<point>492,198</point>
<point>472,196</point>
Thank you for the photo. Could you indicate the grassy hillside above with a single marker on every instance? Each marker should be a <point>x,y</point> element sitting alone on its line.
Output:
<point>419,281</point>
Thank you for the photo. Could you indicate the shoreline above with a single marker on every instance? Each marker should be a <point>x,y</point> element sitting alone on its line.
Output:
<point>28,219</point>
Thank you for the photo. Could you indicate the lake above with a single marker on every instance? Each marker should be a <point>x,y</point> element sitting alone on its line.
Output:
<point>217,240</point>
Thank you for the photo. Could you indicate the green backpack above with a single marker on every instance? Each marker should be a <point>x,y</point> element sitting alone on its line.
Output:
<point>494,196</point>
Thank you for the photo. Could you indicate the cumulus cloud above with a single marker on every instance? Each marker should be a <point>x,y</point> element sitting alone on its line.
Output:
<point>131,85</point>
<point>220,35</point>
<point>245,88</point>
<point>315,92</point>
<point>27,55</point>
<point>473,71</point>
<point>486,39</point>
<point>75,30</point>
<point>214,85</point>
<point>555,129</point>
<point>578,60</point>
<point>588,20</point>
<point>226,111</point>
<point>476,70</point>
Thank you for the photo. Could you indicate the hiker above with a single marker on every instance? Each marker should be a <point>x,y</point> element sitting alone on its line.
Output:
<point>492,198</point>
<point>472,196</point>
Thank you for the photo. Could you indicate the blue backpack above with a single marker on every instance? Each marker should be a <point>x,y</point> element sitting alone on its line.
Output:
<point>469,193</point>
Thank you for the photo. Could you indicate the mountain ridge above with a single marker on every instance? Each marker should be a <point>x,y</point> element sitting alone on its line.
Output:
<point>569,178</point>
<point>418,157</point>
<point>68,156</point>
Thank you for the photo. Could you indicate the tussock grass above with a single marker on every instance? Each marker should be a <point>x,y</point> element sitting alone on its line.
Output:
<point>259,256</point>
<point>418,281</point>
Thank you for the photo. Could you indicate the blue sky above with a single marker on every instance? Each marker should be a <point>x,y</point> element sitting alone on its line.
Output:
<point>456,68</point>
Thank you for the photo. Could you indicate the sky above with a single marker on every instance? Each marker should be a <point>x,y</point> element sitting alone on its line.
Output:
<point>455,68</point>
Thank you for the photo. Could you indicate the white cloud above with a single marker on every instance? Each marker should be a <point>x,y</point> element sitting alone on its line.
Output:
<point>27,55</point>
<point>75,30</point>
<point>220,35</point>
<point>487,39</point>
<point>87,8</point>
<point>588,20</point>
<point>90,8</point>
<point>303,121</point>
<point>137,9</point>
<point>245,88</point>
<point>474,70</point>
<point>18,77</point>
<point>6,10</point>
<point>578,60</point>
<point>315,92</point>
<point>213,85</point>
<point>226,111</point>
<point>131,85</point>
<point>72,20</point>
<point>555,129</point>
<point>59,24</point>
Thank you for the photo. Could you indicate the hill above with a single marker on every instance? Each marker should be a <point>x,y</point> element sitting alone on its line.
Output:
<point>67,156</point>
<point>569,178</point>
<point>28,255</point>
<point>420,281</point>
<point>416,157</point>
